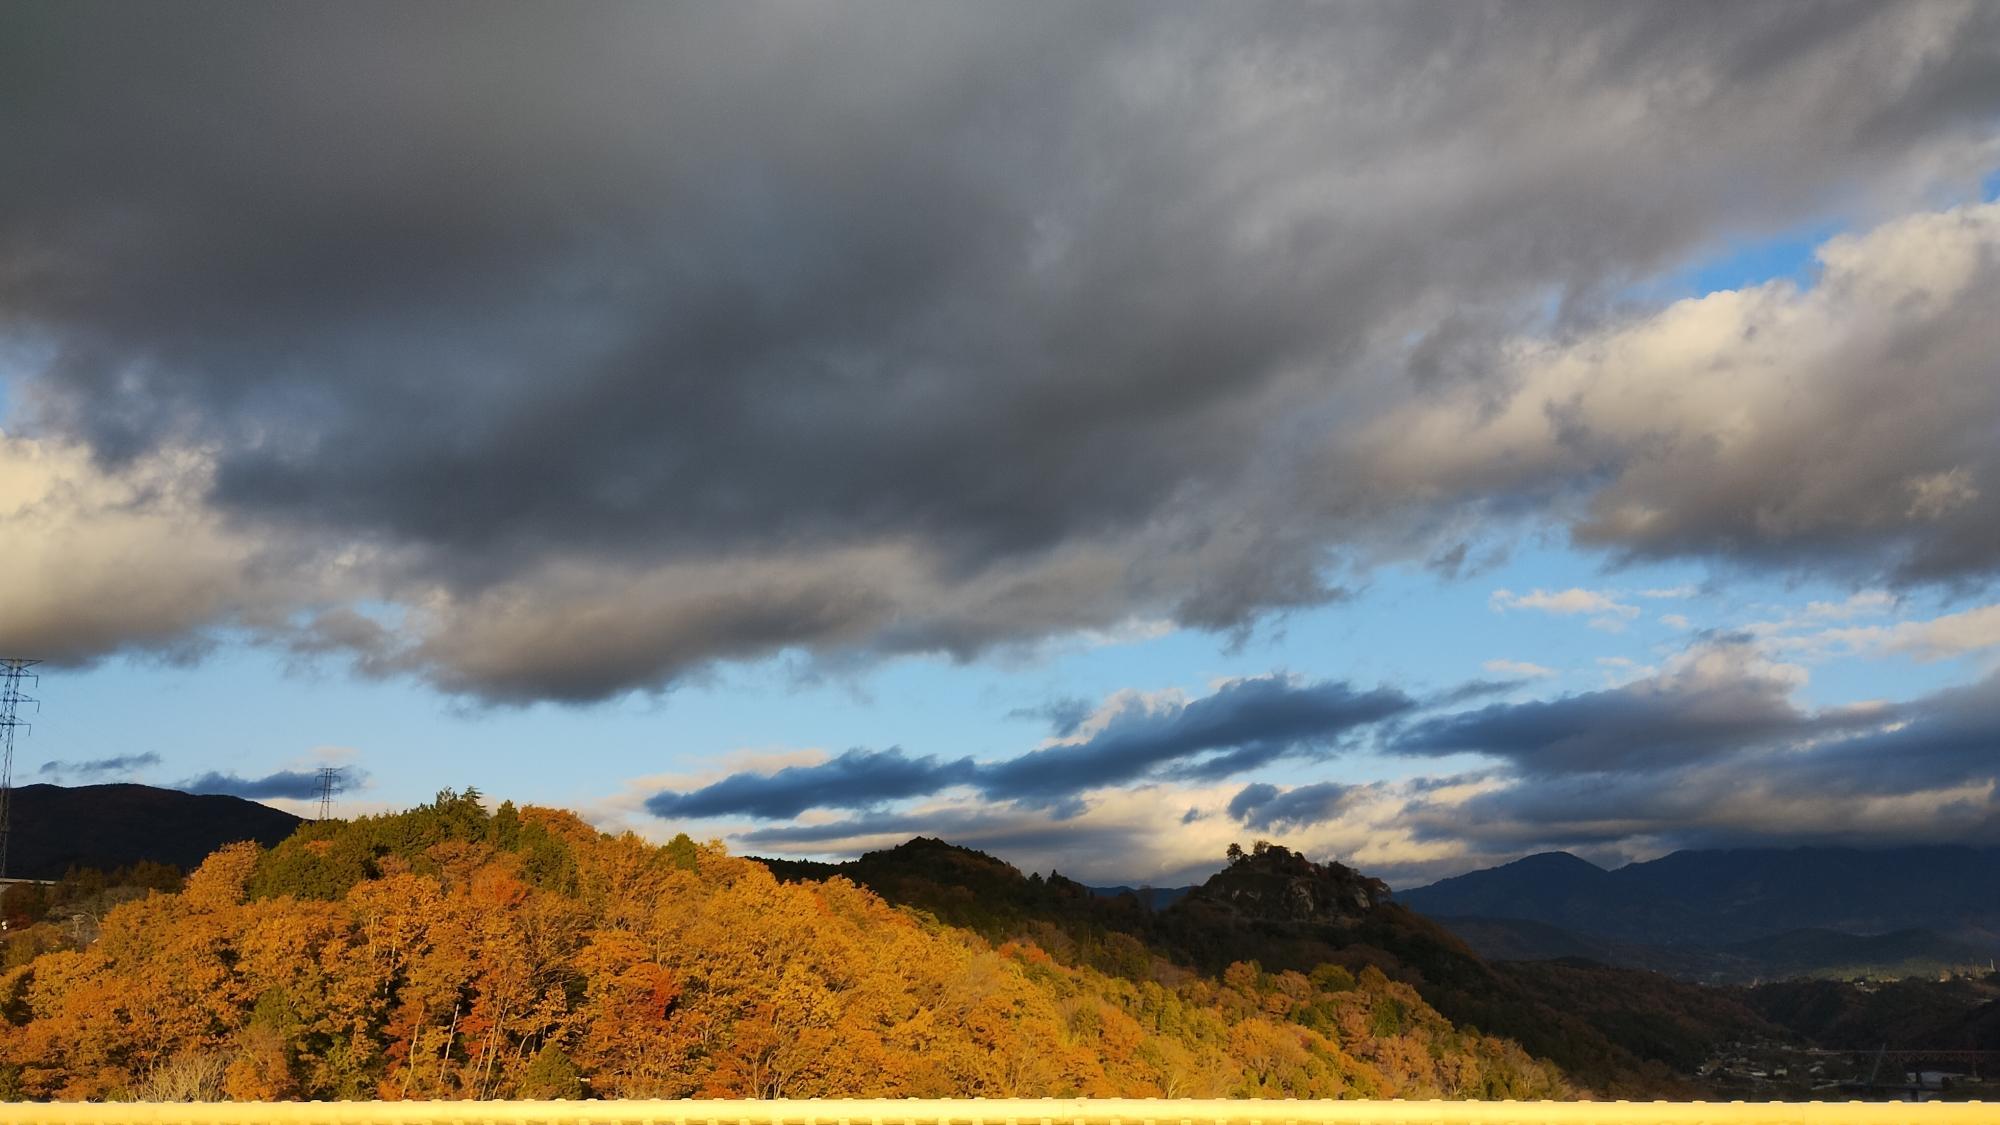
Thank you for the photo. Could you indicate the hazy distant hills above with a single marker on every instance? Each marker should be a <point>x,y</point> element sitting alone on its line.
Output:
<point>1737,914</point>
<point>1795,953</point>
<point>57,827</point>
<point>1152,898</point>
<point>1829,952</point>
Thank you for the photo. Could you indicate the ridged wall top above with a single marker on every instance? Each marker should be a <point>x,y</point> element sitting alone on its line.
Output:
<point>978,1112</point>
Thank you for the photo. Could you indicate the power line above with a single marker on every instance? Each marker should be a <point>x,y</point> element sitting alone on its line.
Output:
<point>13,670</point>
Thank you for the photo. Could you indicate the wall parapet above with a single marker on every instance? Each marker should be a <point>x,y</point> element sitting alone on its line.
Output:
<point>972,1111</point>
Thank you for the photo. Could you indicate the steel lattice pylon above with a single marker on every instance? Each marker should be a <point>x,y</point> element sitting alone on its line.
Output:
<point>13,670</point>
<point>329,783</point>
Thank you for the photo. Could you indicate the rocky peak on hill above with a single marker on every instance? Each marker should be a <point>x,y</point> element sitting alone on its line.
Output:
<point>1274,883</point>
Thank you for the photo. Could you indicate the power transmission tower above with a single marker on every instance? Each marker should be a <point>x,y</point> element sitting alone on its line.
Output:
<point>329,780</point>
<point>13,670</point>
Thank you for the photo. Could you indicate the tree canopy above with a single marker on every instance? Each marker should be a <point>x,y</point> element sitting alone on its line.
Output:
<point>455,952</point>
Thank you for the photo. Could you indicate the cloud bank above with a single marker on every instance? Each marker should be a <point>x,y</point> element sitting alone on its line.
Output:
<point>296,784</point>
<point>555,357</point>
<point>1713,749</point>
<point>1243,725</point>
<point>98,768</point>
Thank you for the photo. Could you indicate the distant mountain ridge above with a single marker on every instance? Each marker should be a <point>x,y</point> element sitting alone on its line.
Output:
<point>57,827</point>
<point>1736,914</point>
<point>1720,897</point>
<point>1152,898</point>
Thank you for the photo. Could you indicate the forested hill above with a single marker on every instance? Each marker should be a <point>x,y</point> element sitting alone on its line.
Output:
<point>452,952</point>
<point>1276,911</point>
<point>1960,1014</point>
<point>58,827</point>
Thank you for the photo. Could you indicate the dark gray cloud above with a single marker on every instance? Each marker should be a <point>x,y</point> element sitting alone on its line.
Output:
<point>1062,715</point>
<point>1471,690</point>
<point>857,779</point>
<point>299,785</point>
<point>1266,807</point>
<point>1718,700</point>
<point>1242,725</point>
<point>1923,770</point>
<point>951,824</point>
<point>614,343</point>
<point>121,764</point>
<point>1946,739</point>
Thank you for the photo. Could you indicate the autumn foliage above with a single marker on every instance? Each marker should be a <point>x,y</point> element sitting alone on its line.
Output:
<point>449,952</point>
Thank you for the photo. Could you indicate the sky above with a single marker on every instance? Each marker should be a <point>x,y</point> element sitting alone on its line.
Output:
<point>1422,435</point>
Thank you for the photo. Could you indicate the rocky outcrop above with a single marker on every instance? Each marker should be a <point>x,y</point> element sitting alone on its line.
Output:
<point>1276,884</point>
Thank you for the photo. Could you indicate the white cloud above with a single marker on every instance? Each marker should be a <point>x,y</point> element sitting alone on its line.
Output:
<point>1940,638</point>
<point>1676,621</point>
<point>1567,603</point>
<point>1863,604</point>
<point>1520,669</point>
<point>1851,420</point>
<point>1936,495</point>
<point>1623,670</point>
<point>1804,636</point>
<point>1952,635</point>
<point>132,557</point>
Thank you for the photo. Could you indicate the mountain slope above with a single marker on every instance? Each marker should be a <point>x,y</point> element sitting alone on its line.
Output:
<point>1517,939</point>
<point>1785,956</point>
<point>1956,1015</point>
<point>1546,884</point>
<point>1619,1047</point>
<point>1278,911</point>
<point>1830,953</point>
<point>108,826</point>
